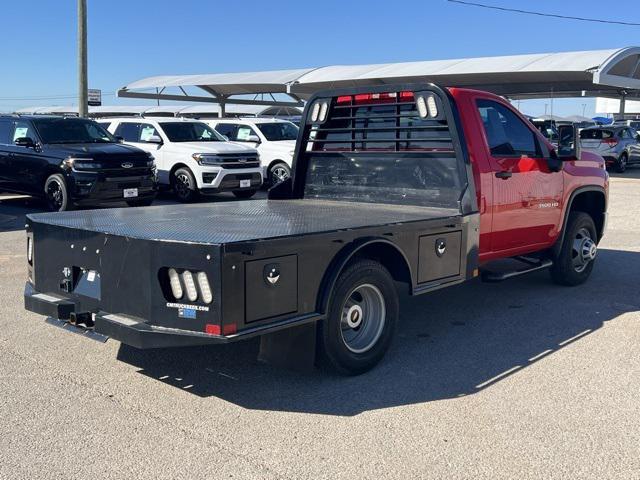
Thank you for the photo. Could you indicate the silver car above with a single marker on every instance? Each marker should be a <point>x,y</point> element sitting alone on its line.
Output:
<point>618,145</point>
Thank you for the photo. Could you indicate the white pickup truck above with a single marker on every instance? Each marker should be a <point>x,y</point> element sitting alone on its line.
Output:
<point>191,157</point>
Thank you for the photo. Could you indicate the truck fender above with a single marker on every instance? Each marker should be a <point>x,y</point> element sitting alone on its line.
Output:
<point>344,256</point>
<point>555,250</point>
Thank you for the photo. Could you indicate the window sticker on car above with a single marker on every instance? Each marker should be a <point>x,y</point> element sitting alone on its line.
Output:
<point>147,132</point>
<point>243,133</point>
<point>20,132</point>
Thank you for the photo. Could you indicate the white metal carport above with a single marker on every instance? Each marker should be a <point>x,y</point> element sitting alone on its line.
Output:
<point>606,73</point>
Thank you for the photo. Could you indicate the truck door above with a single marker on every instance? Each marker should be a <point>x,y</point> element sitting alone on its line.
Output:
<point>527,196</point>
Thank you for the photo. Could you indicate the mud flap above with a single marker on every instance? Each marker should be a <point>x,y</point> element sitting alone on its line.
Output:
<point>292,348</point>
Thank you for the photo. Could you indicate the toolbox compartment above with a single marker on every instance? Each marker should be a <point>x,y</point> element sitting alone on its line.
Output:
<point>271,287</point>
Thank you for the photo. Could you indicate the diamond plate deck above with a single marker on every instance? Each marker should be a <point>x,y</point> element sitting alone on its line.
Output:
<point>229,222</point>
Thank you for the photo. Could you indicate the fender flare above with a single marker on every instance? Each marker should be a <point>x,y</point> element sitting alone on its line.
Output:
<point>340,261</point>
<point>589,188</point>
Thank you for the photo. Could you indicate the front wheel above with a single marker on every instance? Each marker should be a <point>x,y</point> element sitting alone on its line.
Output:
<point>578,252</point>
<point>184,185</point>
<point>279,173</point>
<point>56,194</point>
<point>361,319</point>
<point>244,193</point>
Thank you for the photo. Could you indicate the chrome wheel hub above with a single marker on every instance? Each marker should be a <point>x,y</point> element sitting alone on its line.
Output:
<point>354,316</point>
<point>363,318</point>
<point>584,250</point>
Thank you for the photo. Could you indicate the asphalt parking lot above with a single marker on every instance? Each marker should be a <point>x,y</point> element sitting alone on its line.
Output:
<point>522,379</point>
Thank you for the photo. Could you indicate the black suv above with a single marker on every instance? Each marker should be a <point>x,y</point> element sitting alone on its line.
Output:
<point>72,161</point>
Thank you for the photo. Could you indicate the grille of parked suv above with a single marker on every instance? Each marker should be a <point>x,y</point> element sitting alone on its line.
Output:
<point>121,165</point>
<point>386,122</point>
<point>238,160</point>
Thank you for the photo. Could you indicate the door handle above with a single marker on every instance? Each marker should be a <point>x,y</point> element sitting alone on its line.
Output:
<point>504,175</point>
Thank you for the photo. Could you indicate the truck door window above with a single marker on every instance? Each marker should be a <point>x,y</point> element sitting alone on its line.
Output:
<point>507,135</point>
<point>130,132</point>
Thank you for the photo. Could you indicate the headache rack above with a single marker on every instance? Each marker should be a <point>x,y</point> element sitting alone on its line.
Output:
<point>395,144</point>
<point>390,121</point>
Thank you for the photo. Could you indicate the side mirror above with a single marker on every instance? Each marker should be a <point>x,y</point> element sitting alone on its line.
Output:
<point>253,139</point>
<point>25,142</point>
<point>154,139</point>
<point>568,143</point>
<point>119,139</point>
<point>638,137</point>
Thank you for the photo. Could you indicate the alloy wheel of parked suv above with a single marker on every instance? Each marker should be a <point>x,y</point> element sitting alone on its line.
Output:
<point>184,185</point>
<point>279,173</point>
<point>56,194</point>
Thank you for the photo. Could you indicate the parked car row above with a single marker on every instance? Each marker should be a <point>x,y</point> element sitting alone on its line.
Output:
<point>619,145</point>
<point>70,161</point>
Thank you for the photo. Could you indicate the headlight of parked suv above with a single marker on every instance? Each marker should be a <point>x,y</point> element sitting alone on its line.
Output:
<point>206,159</point>
<point>81,164</point>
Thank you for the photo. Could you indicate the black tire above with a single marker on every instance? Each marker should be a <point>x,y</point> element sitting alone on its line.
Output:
<point>338,340</point>
<point>244,193</point>
<point>278,172</point>
<point>621,163</point>
<point>575,251</point>
<point>56,194</point>
<point>184,185</point>
<point>144,202</point>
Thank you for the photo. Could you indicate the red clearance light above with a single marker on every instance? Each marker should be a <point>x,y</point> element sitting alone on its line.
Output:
<point>406,95</point>
<point>212,329</point>
<point>344,99</point>
<point>229,329</point>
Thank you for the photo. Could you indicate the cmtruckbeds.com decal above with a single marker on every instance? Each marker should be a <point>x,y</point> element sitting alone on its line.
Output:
<point>188,307</point>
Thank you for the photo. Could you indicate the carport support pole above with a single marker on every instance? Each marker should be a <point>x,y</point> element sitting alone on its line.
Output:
<point>623,101</point>
<point>83,107</point>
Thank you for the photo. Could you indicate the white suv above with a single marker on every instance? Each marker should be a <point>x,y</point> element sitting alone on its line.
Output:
<point>191,157</point>
<point>274,139</point>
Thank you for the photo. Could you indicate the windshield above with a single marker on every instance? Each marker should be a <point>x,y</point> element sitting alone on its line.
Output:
<point>71,130</point>
<point>595,134</point>
<point>278,131</point>
<point>190,132</point>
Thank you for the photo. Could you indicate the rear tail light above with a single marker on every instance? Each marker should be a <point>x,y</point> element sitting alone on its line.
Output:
<point>190,286</point>
<point>187,282</point>
<point>174,281</point>
<point>205,288</point>
<point>612,142</point>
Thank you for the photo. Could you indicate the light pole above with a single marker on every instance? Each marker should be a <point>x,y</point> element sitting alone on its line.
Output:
<point>83,94</point>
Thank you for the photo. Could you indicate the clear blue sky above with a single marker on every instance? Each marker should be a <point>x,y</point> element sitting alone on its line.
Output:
<point>132,39</point>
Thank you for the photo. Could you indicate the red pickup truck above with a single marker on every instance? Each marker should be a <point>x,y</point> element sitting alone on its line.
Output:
<point>397,184</point>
